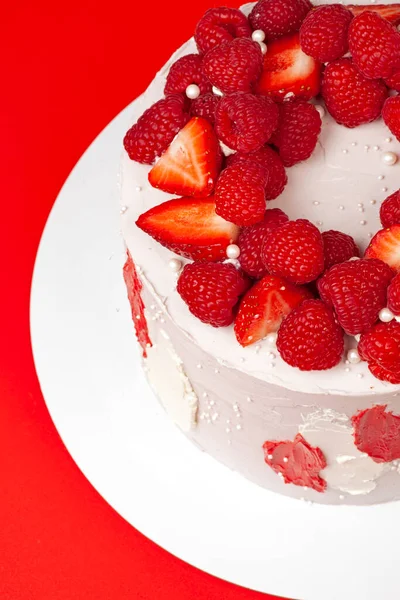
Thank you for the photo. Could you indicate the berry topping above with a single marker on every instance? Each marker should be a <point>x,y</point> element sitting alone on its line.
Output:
<point>310,337</point>
<point>279,17</point>
<point>270,160</point>
<point>252,238</point>
<point>240,193</point>
<point>186,71</point>
<point>287,71</point>
<point>245,122</point>
<point>218,25</point>
<point>205,107</point>
<point>190,227</point>
<point>393,295</point>
<point>211,291</point>
<point>374,45</point>
<point>134,288</point>
<point>391,115</point>
<point>298,131</point>
<point>338,247</point>
<point>380,346</point>
<point>351,98</point>
<point>191,164</point>
<point>323,34</point>
<point>263,308</point>
<point>234,66</point>
<point>357,292</point>
<point>385,245</point>
<point>156,129</point>
<point>377,433</point>
<point>294,251</point>
<point>390,12</point>
<point>390,210</point>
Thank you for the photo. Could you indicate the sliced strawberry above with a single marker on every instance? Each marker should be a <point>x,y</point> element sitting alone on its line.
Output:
<point>385,245</point>
<point>390,12</point>
<point>287,70</point>
<point>264,306</point>
<point>191,164</point>
<point>190,228</point>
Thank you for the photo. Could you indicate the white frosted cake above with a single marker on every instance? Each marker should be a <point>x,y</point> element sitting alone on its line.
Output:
<point>326,434</point>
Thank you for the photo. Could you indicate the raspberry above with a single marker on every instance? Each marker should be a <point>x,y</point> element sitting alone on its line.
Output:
<point>219,25</point>
<point>212,291</point>
<point>279,17</point>
<point>391,115</point>
<point>374,45</point>
<point>323,34</point>
<point>393,82</point>
<point>381,348</point>
<point>252,238</point>
<point>294,251</point>
<point>205,107</point>
<point>350,98</point>
<point>184,72</point>
<point>240,193</point>
<point>298,131</point>
<point>338,247</point>
<point>156,129</point>
<point>270,160</point>
<point>383,374</point>
<point>234,66</point>
<point>310,338</point>
<point>357,292</point>
<point>245,122</point>
<point>390,210</point>
<point>393,295</point>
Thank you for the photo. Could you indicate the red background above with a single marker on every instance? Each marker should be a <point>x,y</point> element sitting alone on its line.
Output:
<point>67,68</point>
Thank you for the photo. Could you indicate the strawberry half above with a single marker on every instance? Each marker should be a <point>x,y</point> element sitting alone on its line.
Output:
<point>385,245</point>
<point>264,306</point>
<point>390,12</point>
<point>288,70</point>
<point>191,164</point>
<point>190,227</point>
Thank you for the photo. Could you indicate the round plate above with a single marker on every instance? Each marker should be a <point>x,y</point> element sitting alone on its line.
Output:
<point>182,499</point>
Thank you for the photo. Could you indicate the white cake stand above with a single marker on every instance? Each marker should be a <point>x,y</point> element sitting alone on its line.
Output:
<point>183,500</point>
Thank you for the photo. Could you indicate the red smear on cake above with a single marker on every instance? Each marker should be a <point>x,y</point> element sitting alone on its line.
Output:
<point>134,287</point>
<point>377,433</point>
<point>297,461</point>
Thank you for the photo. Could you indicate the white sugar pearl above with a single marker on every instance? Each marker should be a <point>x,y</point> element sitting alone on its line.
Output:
<point>271,338</point>
<point>320,109</point>
<point>175,265</point>
<point>386,315</point>
<point>193,91</point>
<point>263,47</point>
<point>389,158</point>
<point>353,357</point>
<point>216,91</point>
<point>258,35</point>
<point>233,251</point>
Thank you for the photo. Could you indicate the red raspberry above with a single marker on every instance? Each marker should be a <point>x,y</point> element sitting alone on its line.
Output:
<point>184,72</point>
<point>393,82</point>
<point>219,25</point>
<point>212,291</point>
<point>357,291</point>
<point>393,295</point>
<point>252,238</point>
<point>270,160</point>
<point>240,193</point>
<point>279,17</point>
<point>350,98</point>
<point>310,337</point>
<point>323,34</point>
<point>381,348</point>
<point>390,210</point>
<point>391,115</point>
<point>374,45</point>
<point>205,107</point>
<point>234,66</point>
<point>245,122</point>
<point>156,129</point>
<point>294,251</point>
<point>338,247</point>
<point>298,131</point>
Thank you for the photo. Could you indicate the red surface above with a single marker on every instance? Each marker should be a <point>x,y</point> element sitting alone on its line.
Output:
<point>67,68</point>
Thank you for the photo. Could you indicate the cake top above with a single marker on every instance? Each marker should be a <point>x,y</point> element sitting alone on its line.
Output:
<point>317,165</point>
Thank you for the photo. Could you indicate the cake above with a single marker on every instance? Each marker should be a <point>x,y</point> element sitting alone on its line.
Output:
<point>274,348</point>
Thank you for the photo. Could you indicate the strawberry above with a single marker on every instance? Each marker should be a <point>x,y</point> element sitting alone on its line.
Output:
<point>390,12</point>
<point>391,115</point>
<point>270,160</point>
<point>380,346</point>
<point>219,25</point>
<point>191,164</point>
<point>338,247</point>
<point>264,306</point>
<point>323,33</point>
<point>385,245</point>
<point>190,227</point>
<point>287,71</point>
<point>279,17</point>
<point>393,295</point>
<point>390,210</point>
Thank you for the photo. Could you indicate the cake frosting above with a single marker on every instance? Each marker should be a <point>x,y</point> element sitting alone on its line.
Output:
<point>228,399</point>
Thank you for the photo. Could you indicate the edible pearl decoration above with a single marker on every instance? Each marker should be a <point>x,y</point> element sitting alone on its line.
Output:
<point>386,315</point>
<point>175,265</point>
<point>389,158</point>
<point>271,338</point>
<point>263,47</point>
<point>233,251</point>
<point>192,91</point>
<point>216,91</point>
<point>320,109</point>
<point>353,357</point>
<point>258,35</point>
